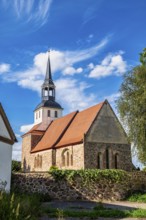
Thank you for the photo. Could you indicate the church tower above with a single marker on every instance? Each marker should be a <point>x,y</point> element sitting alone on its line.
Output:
<point>48,109</point>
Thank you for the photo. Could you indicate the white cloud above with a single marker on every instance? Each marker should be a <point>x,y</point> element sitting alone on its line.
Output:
<point>113,97</point>
<point>90,66</point>
<point>4,68</point>
<point>73,95</point>
<point>26,128</point>
<point>61,61</point>
<point>71,70</point>
<point>16,153</point>
<point>113,64</point>
<point>31,10</point>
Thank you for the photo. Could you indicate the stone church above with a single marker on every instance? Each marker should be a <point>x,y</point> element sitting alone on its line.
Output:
<point>92,138</point>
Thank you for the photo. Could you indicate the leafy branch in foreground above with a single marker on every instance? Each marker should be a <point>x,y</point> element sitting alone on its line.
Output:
<point>132,106</point>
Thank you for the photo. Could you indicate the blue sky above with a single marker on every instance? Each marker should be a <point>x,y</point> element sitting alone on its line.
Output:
<point>92,42</point>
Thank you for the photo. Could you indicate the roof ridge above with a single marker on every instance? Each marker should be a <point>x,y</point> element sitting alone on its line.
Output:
<point>92,106</point>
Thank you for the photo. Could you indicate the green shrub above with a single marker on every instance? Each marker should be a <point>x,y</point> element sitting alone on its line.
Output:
<point>90,175</point>
<point>144,169</point>
<point>18,207</point>
<point>137,197</point>
<point>52,168</point>
<point>16,166</point>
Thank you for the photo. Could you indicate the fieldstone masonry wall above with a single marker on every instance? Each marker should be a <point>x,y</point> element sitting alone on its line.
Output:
<point>63,190</point>
<point>122,150</point>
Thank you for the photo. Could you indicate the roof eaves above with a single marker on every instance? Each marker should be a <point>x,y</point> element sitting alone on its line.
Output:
<point>7,124</point>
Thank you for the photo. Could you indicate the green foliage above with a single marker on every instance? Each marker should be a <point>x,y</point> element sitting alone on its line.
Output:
<point>89,175</point>
<point>52,168</point>
<point>144,169</point>
<point>143,57</point>
<point>2,185</point>
<point>138,197</point>
<point>18,207</point>
<point>93,214</point>
<point>16,166</point>
<point>132,107</point>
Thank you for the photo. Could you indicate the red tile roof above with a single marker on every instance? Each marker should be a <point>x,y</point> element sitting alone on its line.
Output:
<point>39,129</point>
<point>54,132</point>
<point>79,126</point>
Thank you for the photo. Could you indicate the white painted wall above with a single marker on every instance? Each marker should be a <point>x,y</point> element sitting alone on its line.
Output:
<point>42,115</point>
<point>3,129</point>
<point>5,163</point>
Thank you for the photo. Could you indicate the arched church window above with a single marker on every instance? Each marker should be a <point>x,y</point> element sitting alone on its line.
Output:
<point>40,161</point>
<point>67,158</point>
<point>63,160</point>
<point>99,160</point>
<point>71,160</point>
<point>116,161</point>
<point>35,162</point>
<point>107,158</point>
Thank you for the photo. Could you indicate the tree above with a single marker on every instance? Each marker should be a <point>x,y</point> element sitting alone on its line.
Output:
<point>132,106</point>
<point>16,166</point>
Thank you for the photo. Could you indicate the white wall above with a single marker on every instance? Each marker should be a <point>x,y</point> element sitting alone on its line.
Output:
<point>3,129</point>
<point>5,163</point>
<point>42,115</point>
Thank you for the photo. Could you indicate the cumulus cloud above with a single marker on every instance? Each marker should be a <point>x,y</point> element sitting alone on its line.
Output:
<point>113,97</point>
<point>113,64</point>
<point>61,61</point>
<point>4,68</point>
<point>73,95</point>
<point>71,70</point>
<point>16,153</point>
<point>26,128</point>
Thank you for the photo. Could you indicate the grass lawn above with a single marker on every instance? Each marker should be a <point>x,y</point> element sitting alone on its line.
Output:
<point>137,197</point>
<point>18,207</point>
<point>138,213</point>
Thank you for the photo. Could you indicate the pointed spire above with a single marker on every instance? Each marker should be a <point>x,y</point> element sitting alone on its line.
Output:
<point>48,77</point>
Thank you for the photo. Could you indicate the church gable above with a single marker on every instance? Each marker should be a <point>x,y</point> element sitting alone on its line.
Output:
<point>6,133</point>
<point>79,126</point>
<point>107,128</point>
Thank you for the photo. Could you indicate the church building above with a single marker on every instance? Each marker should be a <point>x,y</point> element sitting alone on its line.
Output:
<point>92,138</point>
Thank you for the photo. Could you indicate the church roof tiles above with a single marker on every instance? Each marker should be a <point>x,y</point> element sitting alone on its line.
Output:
<point>67,130</point>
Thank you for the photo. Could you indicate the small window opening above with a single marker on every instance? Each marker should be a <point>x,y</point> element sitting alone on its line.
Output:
<point>56,114</point>
<point>107,158</point>
<point>49,113</point>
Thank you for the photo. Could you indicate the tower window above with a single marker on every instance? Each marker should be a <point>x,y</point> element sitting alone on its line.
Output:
<point>46,92</point>
<point>51,92</point>
<point>56,114</point>
<point>49,113</point>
